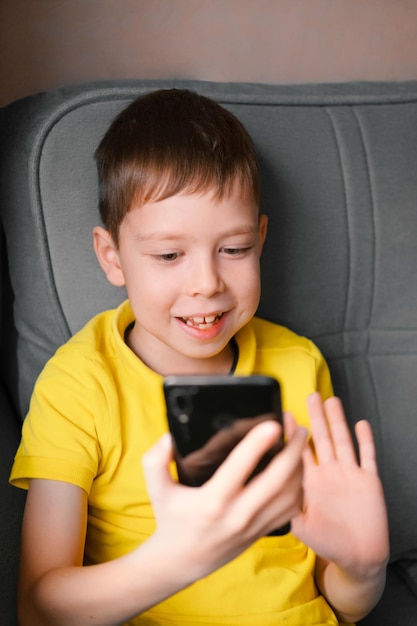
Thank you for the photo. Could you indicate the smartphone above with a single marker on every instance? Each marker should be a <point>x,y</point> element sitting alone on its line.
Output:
<point>209,415</point>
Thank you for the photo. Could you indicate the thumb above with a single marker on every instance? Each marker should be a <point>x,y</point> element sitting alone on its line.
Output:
<point>156,463</point>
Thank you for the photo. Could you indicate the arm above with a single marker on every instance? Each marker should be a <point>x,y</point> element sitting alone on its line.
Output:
<point>344,519</point>
<point>211,525</point>
<point>55,588</point>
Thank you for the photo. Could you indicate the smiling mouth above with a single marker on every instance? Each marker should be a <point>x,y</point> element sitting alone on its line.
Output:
<point>202,322</point>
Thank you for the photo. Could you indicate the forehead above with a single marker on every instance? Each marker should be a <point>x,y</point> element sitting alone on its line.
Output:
<point>187,212</point>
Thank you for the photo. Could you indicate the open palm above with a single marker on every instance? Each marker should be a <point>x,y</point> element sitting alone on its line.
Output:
<point>344,517</point>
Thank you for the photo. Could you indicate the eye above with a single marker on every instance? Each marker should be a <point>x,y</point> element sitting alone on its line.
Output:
<point>168,257</point>
<point>231,251</point>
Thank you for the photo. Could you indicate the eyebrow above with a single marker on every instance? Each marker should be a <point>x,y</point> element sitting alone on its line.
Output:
<point>161,236</point>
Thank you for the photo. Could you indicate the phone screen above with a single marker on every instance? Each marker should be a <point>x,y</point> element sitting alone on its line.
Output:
<point>209,415</point>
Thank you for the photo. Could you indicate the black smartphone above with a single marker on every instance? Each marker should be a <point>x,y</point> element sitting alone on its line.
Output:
<point>209,415</point>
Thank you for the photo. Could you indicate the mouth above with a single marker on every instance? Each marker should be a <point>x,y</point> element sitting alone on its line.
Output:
<point>202,322</point>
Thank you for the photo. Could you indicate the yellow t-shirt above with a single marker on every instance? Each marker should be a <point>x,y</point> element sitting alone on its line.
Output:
<point>97,408</point>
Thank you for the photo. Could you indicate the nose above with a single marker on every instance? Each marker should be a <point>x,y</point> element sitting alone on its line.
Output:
<point>204,277</point>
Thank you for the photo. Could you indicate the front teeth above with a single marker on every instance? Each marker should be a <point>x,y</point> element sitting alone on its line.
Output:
<point>201,322</point>
<point>196,320</point>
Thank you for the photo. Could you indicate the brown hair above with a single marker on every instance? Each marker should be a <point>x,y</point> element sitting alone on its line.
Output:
<point>169,141</point>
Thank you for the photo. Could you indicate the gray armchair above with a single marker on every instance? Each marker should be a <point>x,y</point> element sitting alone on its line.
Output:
<point>340,265</point>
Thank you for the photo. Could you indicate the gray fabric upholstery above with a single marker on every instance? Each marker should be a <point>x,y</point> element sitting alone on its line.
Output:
<point>11,509</point>
<point>340,263</point>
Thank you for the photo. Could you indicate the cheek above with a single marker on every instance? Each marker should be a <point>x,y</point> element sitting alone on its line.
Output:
<point>250,286</point>
<point>150,289</point>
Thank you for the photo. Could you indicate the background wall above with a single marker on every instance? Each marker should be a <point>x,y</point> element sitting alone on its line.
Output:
<point>50,43</point>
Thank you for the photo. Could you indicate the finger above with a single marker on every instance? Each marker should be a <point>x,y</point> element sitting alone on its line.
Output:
<point>288,459</point>
<point>234,472</point>
<point>290,428</point>
<point>309,457</point>
<point>341,437</point>
<point>280,470</point>
<point>331,435</point>
<point>319,429</point>
<point>290,425</point>
<point>367,453</point>
<point>156,466</point>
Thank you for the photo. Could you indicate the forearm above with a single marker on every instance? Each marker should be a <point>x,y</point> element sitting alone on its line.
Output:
<point>108,594</point>
<point>350,596</point>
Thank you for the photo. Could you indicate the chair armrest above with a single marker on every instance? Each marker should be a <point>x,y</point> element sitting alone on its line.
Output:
<point>398,604</point>
<point>12,502</point>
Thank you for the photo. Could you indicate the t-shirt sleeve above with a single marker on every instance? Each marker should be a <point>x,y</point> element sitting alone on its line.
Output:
<point>59,435</point>
<point>324,381</point>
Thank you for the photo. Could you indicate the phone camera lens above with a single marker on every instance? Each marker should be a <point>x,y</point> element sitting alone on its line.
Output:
<point>181,405</point>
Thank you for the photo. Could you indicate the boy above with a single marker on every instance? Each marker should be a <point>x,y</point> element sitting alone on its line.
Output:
<point>107,541</point>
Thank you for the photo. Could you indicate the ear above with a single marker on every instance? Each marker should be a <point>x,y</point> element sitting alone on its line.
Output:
<point>263,227</point>
<point>108,256</point>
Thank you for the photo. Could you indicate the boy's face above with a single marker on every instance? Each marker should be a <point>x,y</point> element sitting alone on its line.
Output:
<point>190,264</point>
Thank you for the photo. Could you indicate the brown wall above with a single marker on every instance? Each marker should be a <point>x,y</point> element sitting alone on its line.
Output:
<point>50,43</point>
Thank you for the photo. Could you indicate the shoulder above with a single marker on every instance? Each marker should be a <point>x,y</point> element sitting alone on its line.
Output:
<point>95,338</point>
<point>294,360</point>
<point>84,366</point>
<point>98,341</point>
<point>271,336</point>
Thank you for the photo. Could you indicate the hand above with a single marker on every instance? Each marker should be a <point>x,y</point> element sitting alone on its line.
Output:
<point>344,517</point>
<point>198,466</point>
<point>208,526</point>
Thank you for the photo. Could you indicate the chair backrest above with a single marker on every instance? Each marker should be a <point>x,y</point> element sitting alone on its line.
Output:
<point>340,263</point>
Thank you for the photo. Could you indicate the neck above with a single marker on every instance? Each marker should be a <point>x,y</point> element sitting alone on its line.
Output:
<point>165,364</point>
